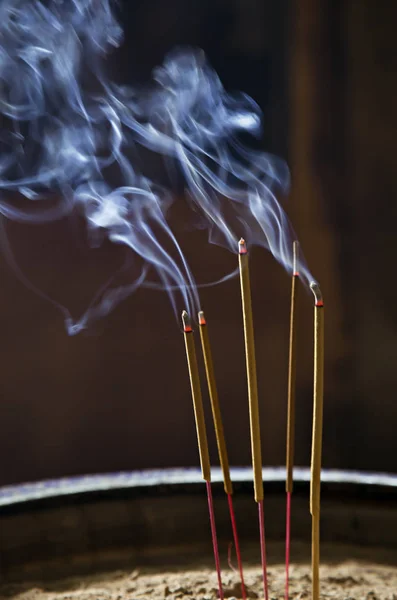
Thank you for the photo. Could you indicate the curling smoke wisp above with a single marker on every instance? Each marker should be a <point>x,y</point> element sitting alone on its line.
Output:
<point>66,126</point>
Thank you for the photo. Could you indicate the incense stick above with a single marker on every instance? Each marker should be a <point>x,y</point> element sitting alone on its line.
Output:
<point>201,434</point>
<point>220,436</point>
<point>253,397</point>
<point>291,411</point>
<point>216,413</point>
<point>318,392</point>
<point>196,397</point>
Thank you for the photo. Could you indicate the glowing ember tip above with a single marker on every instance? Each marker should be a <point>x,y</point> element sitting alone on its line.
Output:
<point>295,260</point>
<point>187,326</point>
<point>242,247</point>
<point>315,288</point>
<point>201,318</point>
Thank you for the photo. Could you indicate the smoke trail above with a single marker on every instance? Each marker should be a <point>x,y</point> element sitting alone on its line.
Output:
<point>67,127</point>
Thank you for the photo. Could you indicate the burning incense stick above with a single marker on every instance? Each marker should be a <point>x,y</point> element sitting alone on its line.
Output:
<point>253,397</point>
<point>291,411</point>
<point>318,392</point>
<point>201,434</point>
<point>220,436</point>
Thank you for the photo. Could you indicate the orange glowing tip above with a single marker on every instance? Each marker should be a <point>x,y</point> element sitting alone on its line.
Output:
<point>242,247</point>
<point>187,326</point>
<point>201,318</point>
<point>318,297</point>
<point>295,259</point>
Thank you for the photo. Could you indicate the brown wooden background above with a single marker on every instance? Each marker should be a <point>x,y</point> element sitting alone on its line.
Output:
<point>117,397</point>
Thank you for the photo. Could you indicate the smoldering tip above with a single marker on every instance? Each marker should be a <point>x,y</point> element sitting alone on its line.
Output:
<point>187,325</point>
<point>315,288</point>
<point>295,259</point>
<point>242,247</point>
<point>201,318</point>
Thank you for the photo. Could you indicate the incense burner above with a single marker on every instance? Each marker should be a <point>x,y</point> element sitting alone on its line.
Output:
<point>152,527</point>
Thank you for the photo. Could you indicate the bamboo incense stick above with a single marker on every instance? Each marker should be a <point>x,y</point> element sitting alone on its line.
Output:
<point>216,412</point>
<point>196,397</point>
<point>291,411</point>
<point>317,436</point>
<point>251,370</point>
<point>201,434</point>
<point>220,436</point>
<point>253,398</point>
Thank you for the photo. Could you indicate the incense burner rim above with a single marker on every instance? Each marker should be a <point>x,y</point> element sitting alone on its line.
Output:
<point>179,478</point>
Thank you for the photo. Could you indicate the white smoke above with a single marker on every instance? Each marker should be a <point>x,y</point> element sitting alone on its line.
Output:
<point>66,124</point>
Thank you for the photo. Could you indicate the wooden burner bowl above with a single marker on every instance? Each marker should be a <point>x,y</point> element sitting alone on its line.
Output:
<point>153,528</point>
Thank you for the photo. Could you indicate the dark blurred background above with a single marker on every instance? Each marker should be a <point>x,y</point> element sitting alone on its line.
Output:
<point>117,397</point>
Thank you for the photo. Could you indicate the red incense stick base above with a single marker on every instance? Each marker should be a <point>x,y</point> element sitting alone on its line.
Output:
<point>237,545</point>
<point>287,544</point>
<point>214,538</point>
<point>263,547</point>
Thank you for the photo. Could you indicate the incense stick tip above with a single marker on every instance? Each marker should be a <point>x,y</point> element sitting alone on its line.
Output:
<point>187,326</point>
<point>318,297</point>
<point>295,258</point>
<point>201,318</point>
<point>242,247</point>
